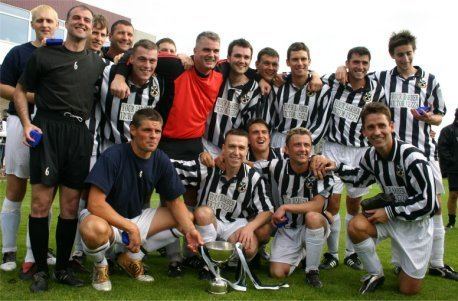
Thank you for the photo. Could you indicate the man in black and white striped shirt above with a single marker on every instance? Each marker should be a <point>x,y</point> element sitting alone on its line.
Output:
<point>346,144</point>
<point>232,203</point>
<point>145,92</point>
<point>237,99</point>
<point>294,105</point>
<point>301,206</point>
<point>402,170</point>
<point>408,88</point>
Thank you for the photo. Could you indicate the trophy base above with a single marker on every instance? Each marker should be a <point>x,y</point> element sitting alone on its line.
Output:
<point>218,287</point>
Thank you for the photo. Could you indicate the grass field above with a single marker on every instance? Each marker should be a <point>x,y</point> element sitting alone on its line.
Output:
<point>339,284</point>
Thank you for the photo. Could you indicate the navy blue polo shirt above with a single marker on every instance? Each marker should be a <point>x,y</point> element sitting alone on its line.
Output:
<point>128,180</point>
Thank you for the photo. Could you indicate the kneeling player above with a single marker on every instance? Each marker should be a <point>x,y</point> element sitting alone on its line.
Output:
<point>301,209</point>
<point>122,178</point>
<point>403,170</point>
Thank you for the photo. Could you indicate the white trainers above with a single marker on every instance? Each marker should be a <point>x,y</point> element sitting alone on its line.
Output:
<point>8,261</point>
<point>100,279</point>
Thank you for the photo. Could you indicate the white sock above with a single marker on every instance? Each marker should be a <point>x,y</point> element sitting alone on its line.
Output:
<point>208,232</point>
<point>135,256</point>
<point>97,255</point>
<point>333,239</point>
<point>368,256</point>
<point>161,239</point>
<point>77,243</point>
<point>314,241</point>
<point>349,248</point>
<point>174,251</point>
<point>437,253</point>
<point>11,217</point>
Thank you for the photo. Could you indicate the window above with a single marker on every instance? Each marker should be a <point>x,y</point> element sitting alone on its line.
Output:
<point>14,24</point>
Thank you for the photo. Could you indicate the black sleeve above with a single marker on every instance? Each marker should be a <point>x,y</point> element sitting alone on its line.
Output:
<point>170,67</point>
<point>123,68</point>
<point>445,148</point>
<point>31,75</point>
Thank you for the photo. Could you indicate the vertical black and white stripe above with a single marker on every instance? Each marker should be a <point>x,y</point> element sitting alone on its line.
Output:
<point>293,188</point>
<point>234,107</point>
<point>243,196</point>
<point>421,89</point>
<point>345,124</point>
<point>116,114</point>
<point>405,172</point>
<point>297,107</point>
<point>265,108</point>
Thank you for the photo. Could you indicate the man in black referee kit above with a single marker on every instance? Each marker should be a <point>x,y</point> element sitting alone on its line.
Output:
<point>405,173</point>
<point>63,79</point>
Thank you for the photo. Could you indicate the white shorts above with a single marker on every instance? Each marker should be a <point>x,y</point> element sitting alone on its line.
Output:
<point>225,230</point>
<point>437,176</point>
<point>291,250</point>
<point>214,150</point>
<point>17,155</point>
<point>143,222</point>
<point>350,156</point>
<point>412,242</point>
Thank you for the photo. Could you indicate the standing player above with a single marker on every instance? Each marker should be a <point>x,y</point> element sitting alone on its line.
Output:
<point>408,88</point>
<point>122,180</point>
<point>301,207</point>
<point>166,45</point>
<point>44,22</point>
<point>295,106</point>
<point>346,144</point>
<point>403,171</point>
<point>121,39</point>
<point>63,78</point>
<point>448,152</point>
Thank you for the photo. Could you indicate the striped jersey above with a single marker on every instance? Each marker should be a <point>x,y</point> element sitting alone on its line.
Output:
<point>405,173</point>
<point>234,107</point>
<point>243,196</point>
<point>297,107</point>
<point>345,124</point>
<point>116,113</point>
<point>293,188</point>
<point>274,153</point>
<point>265,108</point>
<point>420,89</point>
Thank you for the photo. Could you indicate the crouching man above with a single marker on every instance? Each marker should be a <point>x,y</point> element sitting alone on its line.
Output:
<point>402,170</point>
<point>122,179</point>
<point>232,204</point>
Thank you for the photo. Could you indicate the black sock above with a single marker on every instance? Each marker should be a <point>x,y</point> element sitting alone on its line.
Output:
<point>65,235</point>
<point>451,218</point>
<point>39,237</point>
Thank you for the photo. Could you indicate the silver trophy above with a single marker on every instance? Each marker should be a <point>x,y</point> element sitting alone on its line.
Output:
<point>219,252</point>
<point>216,253</point>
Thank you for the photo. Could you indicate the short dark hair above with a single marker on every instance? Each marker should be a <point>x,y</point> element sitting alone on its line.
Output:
<point>257,121</point>
<point>100,21</point>
<point>236,132</point>
<point>144,43</point>
<point>404,37</point>
<point>297,131</point>
<point>84,7</point>
<point>375,108</point>
<point>297,46</point>
<point>360,50</point>
<point>209,35</point>
<point>241,43</point>
<point>146,113</point>
<point>165,40</point>
<point>122,22</point>
<point>267,51</point>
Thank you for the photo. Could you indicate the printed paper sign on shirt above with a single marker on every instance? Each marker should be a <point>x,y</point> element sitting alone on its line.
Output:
<point>399,192</point>
<point>226,107</point>
<point>294,111</point>
<point>346,110</point>
<point>220,201</point>
<point>128,110</point>
<point>404,100</point>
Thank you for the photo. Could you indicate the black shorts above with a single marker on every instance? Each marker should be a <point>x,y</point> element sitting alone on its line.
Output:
<point>182,149</point>
<point>64,153</point>
<point>452,181</point>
